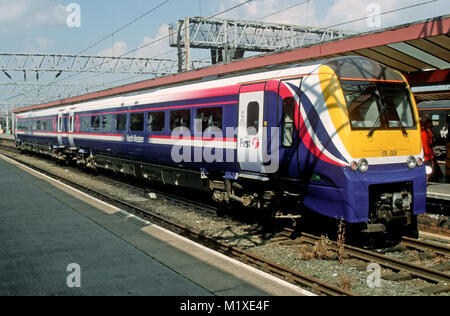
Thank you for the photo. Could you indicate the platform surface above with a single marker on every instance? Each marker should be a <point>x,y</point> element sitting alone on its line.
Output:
<point>440,191</point>
<point>6,136</point>
<point>45,227</point>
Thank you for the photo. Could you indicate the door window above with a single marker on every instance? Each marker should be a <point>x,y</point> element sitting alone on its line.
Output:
<point>253,119</point>
<point>288,122</point>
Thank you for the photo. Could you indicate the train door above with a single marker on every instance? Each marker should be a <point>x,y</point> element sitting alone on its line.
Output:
<point>60,127</point>
<point>288,114</point>
<point>71,128</point>
<point>250,127</point>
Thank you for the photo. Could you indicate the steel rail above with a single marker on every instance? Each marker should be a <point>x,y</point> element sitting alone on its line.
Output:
<point>426,245</point>
<point>416,270</point>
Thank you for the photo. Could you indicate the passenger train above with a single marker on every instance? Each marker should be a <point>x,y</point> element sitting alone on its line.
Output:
<point>338,137</point>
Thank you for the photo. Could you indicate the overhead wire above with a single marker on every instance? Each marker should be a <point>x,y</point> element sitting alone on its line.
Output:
<point>164,37</point>
<point>125,26</point>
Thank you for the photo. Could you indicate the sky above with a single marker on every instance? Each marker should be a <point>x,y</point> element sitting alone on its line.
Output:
<point>40,26</point>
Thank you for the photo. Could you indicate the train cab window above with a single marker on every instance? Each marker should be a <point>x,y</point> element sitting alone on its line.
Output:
<point>95,123</point>
<point>180,119</point>
<point>208,120</point>
<point>156,121</point>
<point>378,105</point>
<point>253,118</point>
<point>288,122</point>
<point>137,122</point>
<point>398,104</point>
<point>121,122</point>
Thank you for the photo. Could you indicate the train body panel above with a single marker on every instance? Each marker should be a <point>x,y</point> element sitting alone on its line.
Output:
<point>331,133</point>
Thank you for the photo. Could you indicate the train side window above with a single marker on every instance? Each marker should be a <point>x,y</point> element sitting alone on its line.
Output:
<point>121,122</point>
<point>288,122</point>
<point>253,118</point>
<point>180,119</point>
<point>137,122</point>
<point>107,123</point>
<point>156,121</point>
<point>95,123</point>
<point>208,119</point>
<point>85,123</point>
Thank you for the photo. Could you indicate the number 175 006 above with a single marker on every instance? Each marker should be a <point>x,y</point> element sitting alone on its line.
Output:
<point>390,153</point>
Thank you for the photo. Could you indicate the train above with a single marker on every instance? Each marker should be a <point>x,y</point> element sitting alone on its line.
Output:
<point>337,138</point>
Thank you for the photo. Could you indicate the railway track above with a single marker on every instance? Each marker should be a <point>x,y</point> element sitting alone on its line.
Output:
<point>315,285</point>
<point>424,245</point>
<point>393,264</point>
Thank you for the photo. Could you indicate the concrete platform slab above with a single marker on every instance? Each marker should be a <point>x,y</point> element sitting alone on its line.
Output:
<point>440,191</point>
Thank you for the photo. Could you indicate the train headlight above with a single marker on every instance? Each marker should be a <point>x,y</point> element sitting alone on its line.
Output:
<point>429,170</point>
<point>354,166</point>
<point>363,165</point>
<point>420,162</point>
<point>412,162</point>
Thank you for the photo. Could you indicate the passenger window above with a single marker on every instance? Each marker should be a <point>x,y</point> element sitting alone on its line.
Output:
<point>107,123</point>
<point>85,123</point>
<point>156,121</point>
<point>208,119</point>
<point>288,122</point>
<point>180,119</point>
<point>137,122</point>
<point>95,123</point>
<point>253,118</point>
<point>121,122</point>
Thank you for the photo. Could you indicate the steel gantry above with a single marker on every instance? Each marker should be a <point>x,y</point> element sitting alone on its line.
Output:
<point>228,39</point>
<point>94,64</point>
<point>31,77</point>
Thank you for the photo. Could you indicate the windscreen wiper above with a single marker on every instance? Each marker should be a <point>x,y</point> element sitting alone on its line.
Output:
<point>405,133</point>
<point>383,110</point>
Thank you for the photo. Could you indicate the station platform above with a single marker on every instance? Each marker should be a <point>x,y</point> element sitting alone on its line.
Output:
<point>439,191</point>
<point>46,227</point>
<point>6,139</point>
<point>6,136</point>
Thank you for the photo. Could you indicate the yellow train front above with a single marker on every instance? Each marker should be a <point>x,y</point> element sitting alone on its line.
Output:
<point>360,152</point>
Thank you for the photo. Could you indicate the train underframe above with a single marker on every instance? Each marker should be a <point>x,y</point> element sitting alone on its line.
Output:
<point>390,214</point>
